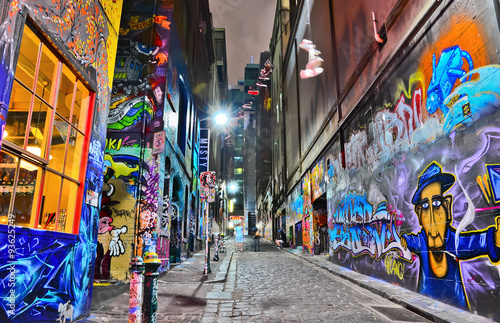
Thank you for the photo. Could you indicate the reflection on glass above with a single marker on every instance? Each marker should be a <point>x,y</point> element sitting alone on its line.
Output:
<point>80,109</point>
<point>28,54</point>
<point>25,193</point>
<point>67,206</point>
<point>8,166</point>
<point>46,73</point>
<point>58,144</point>
<point>17,116</point>
<point>39,124</point>
<point>50,200</point>
<point>65,94</point>
<point>74,155</point>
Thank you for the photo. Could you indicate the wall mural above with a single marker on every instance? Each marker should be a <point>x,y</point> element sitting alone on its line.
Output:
<point>417,204</point>
<point>307,214</point>
<point>53,270</point>
<point>132,169</point>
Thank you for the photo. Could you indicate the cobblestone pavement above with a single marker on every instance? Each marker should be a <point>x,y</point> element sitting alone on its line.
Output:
<point>275,286</point>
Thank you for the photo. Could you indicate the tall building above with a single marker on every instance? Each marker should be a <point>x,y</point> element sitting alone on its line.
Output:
<point>385,157</point>
<point>242,163</point>
<point>263,153</point>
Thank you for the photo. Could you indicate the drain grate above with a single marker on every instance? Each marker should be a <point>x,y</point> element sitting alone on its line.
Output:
<point>398,314</point>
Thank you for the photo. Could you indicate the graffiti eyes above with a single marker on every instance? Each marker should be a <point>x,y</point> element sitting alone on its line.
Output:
<point>111,190</point>
<point>436,203</point>
<point>425,205</point>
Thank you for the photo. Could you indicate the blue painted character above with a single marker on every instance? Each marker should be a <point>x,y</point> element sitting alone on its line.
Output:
<point>444,75</point>
<point>440,273</point>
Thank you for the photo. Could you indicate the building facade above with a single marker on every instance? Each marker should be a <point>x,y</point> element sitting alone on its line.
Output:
<point>56,79</point>
<point>150,200</point>
<point>387,161</point>
<point>99,145</point>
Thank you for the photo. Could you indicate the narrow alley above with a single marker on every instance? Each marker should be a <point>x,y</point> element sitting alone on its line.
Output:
<point>272,285</point>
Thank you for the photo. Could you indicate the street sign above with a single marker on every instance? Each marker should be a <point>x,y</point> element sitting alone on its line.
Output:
<point>159,142</point>
<point>208,179</point>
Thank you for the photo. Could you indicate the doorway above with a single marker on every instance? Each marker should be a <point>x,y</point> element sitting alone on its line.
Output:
<point>298,234</point>
<point>320,225</point>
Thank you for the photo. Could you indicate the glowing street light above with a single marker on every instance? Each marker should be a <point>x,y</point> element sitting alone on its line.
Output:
<point>233,187</point>
<point>221,118</point>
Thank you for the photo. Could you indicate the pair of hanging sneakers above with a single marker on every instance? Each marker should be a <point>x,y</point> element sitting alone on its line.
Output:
<point>313,66</point>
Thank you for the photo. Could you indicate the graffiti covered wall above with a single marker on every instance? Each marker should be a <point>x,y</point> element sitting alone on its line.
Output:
<point>132,199</point>
<point>417,203</point>
<point>53,270</point>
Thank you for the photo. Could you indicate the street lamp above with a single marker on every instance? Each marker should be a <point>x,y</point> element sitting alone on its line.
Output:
<point>220,118</point>
<point>233,187</point>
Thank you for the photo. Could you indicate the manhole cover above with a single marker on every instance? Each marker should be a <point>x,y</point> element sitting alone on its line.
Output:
<point>399,314</point>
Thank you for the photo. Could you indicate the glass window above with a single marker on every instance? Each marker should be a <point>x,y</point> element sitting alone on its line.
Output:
<point>42,156</point>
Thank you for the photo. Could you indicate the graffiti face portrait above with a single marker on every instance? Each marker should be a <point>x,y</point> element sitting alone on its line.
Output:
<point>434,214</point>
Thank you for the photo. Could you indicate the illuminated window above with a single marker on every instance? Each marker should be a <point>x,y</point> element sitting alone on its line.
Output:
<point>238,171</point>
<point>42,162</point>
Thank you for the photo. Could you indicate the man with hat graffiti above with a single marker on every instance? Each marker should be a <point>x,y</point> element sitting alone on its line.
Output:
<point>440,275</point>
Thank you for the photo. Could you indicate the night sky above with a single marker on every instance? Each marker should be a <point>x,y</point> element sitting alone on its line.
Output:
<point>248,31</point>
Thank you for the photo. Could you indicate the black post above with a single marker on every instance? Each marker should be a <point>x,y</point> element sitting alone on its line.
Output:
<point>150,304</point>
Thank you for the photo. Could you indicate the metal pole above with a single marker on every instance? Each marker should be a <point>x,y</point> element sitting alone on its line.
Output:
<point>207,249</point>
<point>150,304</point>
<point>136,280</point>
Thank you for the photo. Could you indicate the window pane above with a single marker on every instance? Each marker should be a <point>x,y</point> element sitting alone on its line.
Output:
<point>58,144</point>
<point>81,106</point>
<point>25,70</point>
<point>40,120</point>
<point>67,207</point>
<point>24,207</point>
<point>46,73</point>
<point>50,199</point>
<point>17,116</point>
<point>65,94</point>
<point>8,166</point>
<point>74,155</point>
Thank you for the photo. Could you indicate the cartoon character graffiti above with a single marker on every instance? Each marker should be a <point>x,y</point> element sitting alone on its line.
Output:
<point>444,75</point>
<point>440,272</point>
<point>65,311</point>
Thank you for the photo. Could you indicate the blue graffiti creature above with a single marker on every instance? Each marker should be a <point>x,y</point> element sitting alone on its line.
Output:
<point>474,99</point>
<point>444,75</point>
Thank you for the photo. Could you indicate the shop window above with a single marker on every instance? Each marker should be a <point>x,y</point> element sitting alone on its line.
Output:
<point>42,158</point>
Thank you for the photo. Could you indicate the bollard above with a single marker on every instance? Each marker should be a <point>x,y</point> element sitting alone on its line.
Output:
<point>221,248</point>
<point>216,249</point>
<point>150,303</point>
<point>136,279</point>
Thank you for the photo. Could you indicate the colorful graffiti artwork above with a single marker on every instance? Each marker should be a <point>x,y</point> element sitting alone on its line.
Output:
<point>132,170</point>
<point>439,245</point>
<point>53,270</point>
<point>307,234</point>
<point>417,201</point>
